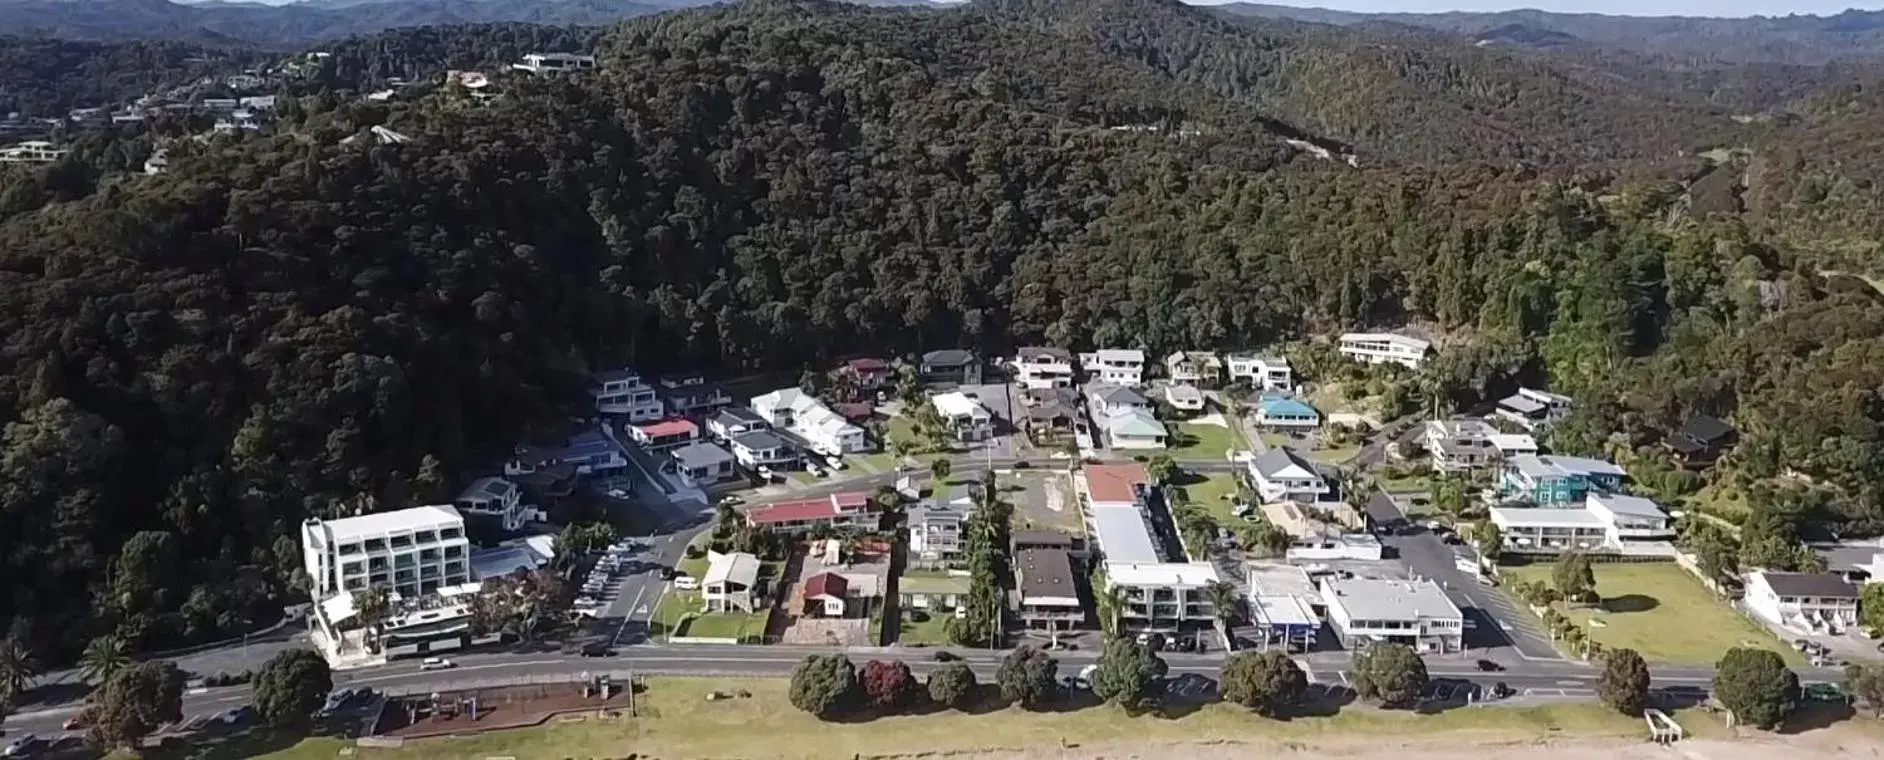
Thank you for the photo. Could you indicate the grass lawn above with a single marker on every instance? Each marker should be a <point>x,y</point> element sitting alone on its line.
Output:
<point>1662,612</point>
<point>671,618</point>
<point>932,631</point>
<point>1201,441</point>
<point>1725,503</point>
<point>1275,440</point>
<point>677,721</point>
<point>1335,455</point>
<point>1407,483</point>
<point>1214,492</point>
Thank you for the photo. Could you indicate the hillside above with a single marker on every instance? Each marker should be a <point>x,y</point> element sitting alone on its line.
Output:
<point>291,26</point>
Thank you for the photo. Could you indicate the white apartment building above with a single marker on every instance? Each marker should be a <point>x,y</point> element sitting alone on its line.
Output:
<point>1465,444</point>
<point>935,530</point>
<point>1379,348</point>
<point>547,63</point>
<point>1039,367</point>
<point>411,552</point>
<point>1261,372</point>
<point>1159,595</point>
<point>1418,614</point>
<point>1119,366</point>
<point>625,392</point>
<point>1606,522</point>
<point>803,415</point>
<point>32,152</point>
<point>496,498</point>
<point>1804,602</point>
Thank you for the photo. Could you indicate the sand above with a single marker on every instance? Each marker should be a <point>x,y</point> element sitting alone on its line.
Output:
<point>1824,744</point>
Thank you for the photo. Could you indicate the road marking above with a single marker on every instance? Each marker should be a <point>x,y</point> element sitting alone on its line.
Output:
<point>1344,678</point>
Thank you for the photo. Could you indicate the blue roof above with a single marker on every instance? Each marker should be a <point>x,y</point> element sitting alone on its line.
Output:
<point>1284,405</point>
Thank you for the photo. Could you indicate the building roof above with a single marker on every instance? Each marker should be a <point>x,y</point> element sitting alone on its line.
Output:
<point>1461,428</point>
<point>1521,404</point>
<point>1541,517</point>
<point>1295,521</point>
<point>396,521</point>
<point>1706,430</point>
<point>808,509</point>
<point>1809,584</point>
<point>613,375</point>
<point>701,454</point>
<point>1061,396</point>
<point>1119,355</point>
<point>1134,422</point>
<point>736,567</point>
<point>1181,394</point>
<point>867,364</point>
<point>1277,579</point>
<point>1286,406</point>
<point>1205,359</point>
<point>1509,442</point>
<point>1191,574</point>
<point>852,411</point>
<point>958,404</point>
<point>949,357</point>
<point>1115,482</point>
<point>932,583</point>
<point>1117,395</point>
<point>734,416</point>
<point>1383,599</point>
<point>1049,411</point>
<point>1036,354</point>
<point>1633,506</point>
<point>1044,572</point>
<point>1280,462</point>
<point>1382,510</point>
<point>528,554</point>
<point>758,440</point>
<point>1410,342</point>
<point>555,476</point>
<point>663,428</point>
<point>1268,360</point>
<point>783,398</point>
<point>1124,536</point>
<point>1556,466</point>
<point>825,585</point>
<point>1042,538</point>
<point>488,488</point>
<point>1283,610</point>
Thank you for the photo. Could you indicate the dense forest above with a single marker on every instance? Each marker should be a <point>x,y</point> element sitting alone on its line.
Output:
<point>286,325</point>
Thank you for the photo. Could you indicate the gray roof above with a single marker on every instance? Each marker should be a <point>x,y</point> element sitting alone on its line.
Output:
<point>949,357</point>
<point>1551,466</point>
<point>1382,599</point>
<point>701,454</point>
<point>1811,584</point>
<point>738,415</point>
<point>1030,352</point>
<point>759,440</point>
<point>1277,459</point>
<point>1045,572</point>
<point>1635,506</point>
<point>1119,394</point>
<point>1521,404</point>
<point>1124,536</point>
<point>1041,538</point>
<point>495,488</point>
<point>937,514</point>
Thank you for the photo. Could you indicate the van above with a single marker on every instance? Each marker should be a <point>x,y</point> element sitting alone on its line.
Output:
<point>436,663</point>
<point>686,582</point>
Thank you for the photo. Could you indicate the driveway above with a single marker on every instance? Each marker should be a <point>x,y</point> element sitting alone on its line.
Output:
<point>1498,620</point>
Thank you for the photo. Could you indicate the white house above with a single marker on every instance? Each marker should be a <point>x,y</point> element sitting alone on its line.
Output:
<point>1415,613</point>
<point>966,417</point>
<point>1104,400</point>
<point>1286,413</point>
<point>1464,444</point>
<point>1280,475</point>
<point>1164,595</point>
<point>1184,397</point>
<point>731,581</point>
<point>1534,409</point>
<point>1134,429</point>
<point>1816,602</point>
<point>1121,366</point>
<point>802,414</point>
<point>704,463</point>
<point>1199,369</point>
<point>935,530</point>
<point>497,498</point>
<point>733,421</point>
<point>1261,372</point>
<point>1038,367</point>
<point>624,392</point>
<point>32,152</point>
<point>1630,517</point>
<point>1379,348</point>
<point>1606,522</point>
<point>761,448</point>
<point>549,63</point>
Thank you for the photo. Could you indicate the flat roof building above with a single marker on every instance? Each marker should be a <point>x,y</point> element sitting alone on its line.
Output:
<point>1049,594</point>
<point>1418,614</point>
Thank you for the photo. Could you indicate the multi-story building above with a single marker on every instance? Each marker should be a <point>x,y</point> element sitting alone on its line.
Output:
<point>803,415</point>
<point>1381,348</point>
<point>624,392</point>
<point>1279,475</point>
<point>935,529</point>
<point>32,152</point>
<point>1198,369</point>
<point>1118,366</point>
<point>1261,372</point>
<point>1120,506</point>
<point>868,374</point>
<point>1818,602</point>
<point>554,63</point>
<point>1534,409</point>
<point>704,463</point>
<point>1605,522</point>
<point>1049,594</point>
<point>662,435</point>
<point>965,415</point>
<point>1281,412</point>
<point>1458,445</point>
<point>410,552</point>
<point>950,366</point>
<point>1365,611</point>
<point>496,499</point>
<point>693,395</point>
<point>761,448</point>
<point>839,510</point>
<point>1038,367</point>
<point>735,421</point>
<point>1554,480</point>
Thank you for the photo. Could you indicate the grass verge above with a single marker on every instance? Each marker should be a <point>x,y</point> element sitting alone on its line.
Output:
<point>1662,612</point>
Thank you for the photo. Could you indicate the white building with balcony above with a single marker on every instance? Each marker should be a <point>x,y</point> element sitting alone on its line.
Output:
<point>1804,602</point>
<point>967,418</point>
<point>497,499</point>
<point>553,63</point>
<point>1364,611</point>
<point>625,392</point>
<point>1381,348</point>
<point>1606,522</point>
<point>1038,367</point>
<point>1118,366</point>
<point>803,415</point>
<point>420,557</point>
<point>1263,373</point>
<point>1280,475</point>
<point>935,530</point>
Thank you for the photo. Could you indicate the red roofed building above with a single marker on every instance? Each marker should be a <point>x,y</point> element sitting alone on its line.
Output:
<point>825,595</point>
<point>837,510</point>
<point>1115,484</point>
<point>664,434</point>
<point>868,374</point>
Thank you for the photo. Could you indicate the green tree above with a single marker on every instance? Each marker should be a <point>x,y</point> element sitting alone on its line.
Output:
<point>1391,674</point>
<point>1266,539</point>
<point>1109,603</point>
<point>1226,601</point>
<point>1870,605</point>
<point>1488,539</point>
<point>825,685</point>
<point>940,469</point>
<point>103,657</point>
<point>1161,468</point>
<point>953,684</point>
<point>1624,685</point>
<point>1865,683</point>
<point>290,687</point>
<point>1447,494</point>
<point>1028,677</point>
<point>1129,674</point>
<point>134,701</point>
<point>1756,687</point>
<point>1268,682</point>
<point>18,668</point>
<point>1574,577</point>
<point>371,607</point>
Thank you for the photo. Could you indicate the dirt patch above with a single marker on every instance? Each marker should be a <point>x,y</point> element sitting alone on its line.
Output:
<point>499,708</point>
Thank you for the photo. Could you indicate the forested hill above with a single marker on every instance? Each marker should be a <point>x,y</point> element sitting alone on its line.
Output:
<point>284,325</point>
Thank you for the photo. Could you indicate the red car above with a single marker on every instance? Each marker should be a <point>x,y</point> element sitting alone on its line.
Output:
<point>75,722</point>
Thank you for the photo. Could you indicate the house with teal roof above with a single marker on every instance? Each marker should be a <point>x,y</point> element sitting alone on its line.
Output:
<point>1286,412</point>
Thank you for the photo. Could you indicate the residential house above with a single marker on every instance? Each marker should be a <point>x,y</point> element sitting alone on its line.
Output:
<point>33,152</point>
<point>495,499</point>
<point>1164,595</point>
<point>1198,369</point>
<point>734,421</point>
<point>826,595</point>
<point>1119,366</point>
<point>593,452</point>
<point>1105,400</point>
<point>1606,522</point>
<point>704,463</point>
<point>1533,409</point>
<point>868,374</point>
<point>554,63</point>
<point>731,583</point>
<point>1262,372</point>
<point>762,448</point>
<point>1630,517</point>
<point>1551,480</point>
<point>693,395</point>
<point>951,365</point>
<point>934,592</point>
<point>967,419</point>
<point>1383,348</point>
<point>1418,614</point>
<point>803,415</point>
<point>1048,590</point>
<point>839,510</point>
<point>1818,602</point>
<point>545,485</point>
<point>935,529</point>
<point>623,392</point>
<point>1286,413</point>
<point>1134,429</point>
<point>1466,444</point>
<point>664,434</point>
<point>1184,398</point>
<point>1700,441</point>
<point>1038,367</point>
<point>1048,411</point>
<point>1279,475</point>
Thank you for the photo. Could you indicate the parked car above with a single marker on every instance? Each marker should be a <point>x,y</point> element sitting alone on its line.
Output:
<point>668,573</point>
<point>436,663</point>
<point>1489,666</point>
<point>74,723</point>
<point>233,715</point>
<point>730,501</point>
<point>686,582</point>
<point>944,655</point>
<point>20,747</point>
<point>597,649</point>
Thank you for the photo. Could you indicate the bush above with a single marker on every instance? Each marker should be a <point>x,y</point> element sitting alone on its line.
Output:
<point>825,685</point>
<point>952,684</point>
<point>918,616</point>
<point>695,552</point>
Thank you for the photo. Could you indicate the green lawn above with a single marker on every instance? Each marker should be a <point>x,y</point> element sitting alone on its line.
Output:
<point>1719,501</point>
<point>677,721</point>
<point>1406,483</point>
<point>1662,612</point>
<point>930,632</point>
<point>1214,492</point>
<point>1335,454</point>
<point>672,618</point>
<point>1201,441</point>
<point>1275,440</point>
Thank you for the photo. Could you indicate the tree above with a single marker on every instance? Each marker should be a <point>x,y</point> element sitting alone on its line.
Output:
<point>1130,674</point>
<point>134,701</point>
<point>953,684</point>
<point>1448,494</point>
<point>587,537</point>
<point>1624,685</point>
<point>371,606</point>
<point>1488,539</point>
<point>1391,674</point>
<point>1266,539</point>
<point>1226,601</point>
<point>940,469</point>
<point>1110,602</point>
<point>1756,687</point>
<point>517,604</point>
<point>890,686</point>
<point>17,670</point>
<point>1573,577</point>
<point>1267,682</point>
<point>825,685</point>
<point>290,687</point>
<point>103,657</point>
<point>1161,468</point>
<point>1865,683</point>
<point>1028,677</point>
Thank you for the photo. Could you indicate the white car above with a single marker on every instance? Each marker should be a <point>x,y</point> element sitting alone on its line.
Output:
<point>815,470</point>
<point>837,463</point>
<point>20,746</point>
<point>686,582</point>
<point>765,474</point>
<point>437,663</point>
<point>618,493</point>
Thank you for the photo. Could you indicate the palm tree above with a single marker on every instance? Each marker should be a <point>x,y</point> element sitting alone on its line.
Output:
<point>373,607</point>
<point>17,670</point>
<point>1111,604</point>
<point>724,518</point>
<point>1225,599</point>
<point>103,657</point>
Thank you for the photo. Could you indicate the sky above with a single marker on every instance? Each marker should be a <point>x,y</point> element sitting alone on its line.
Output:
<point>1608,7</point>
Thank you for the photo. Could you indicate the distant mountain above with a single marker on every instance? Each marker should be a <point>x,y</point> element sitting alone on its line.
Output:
<point>1800,40</point>
<point>1524,35</point>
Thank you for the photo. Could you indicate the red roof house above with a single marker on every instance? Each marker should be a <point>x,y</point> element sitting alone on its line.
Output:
<point>825,594</point>
<point>836,510</point>
<point>665,434</point>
